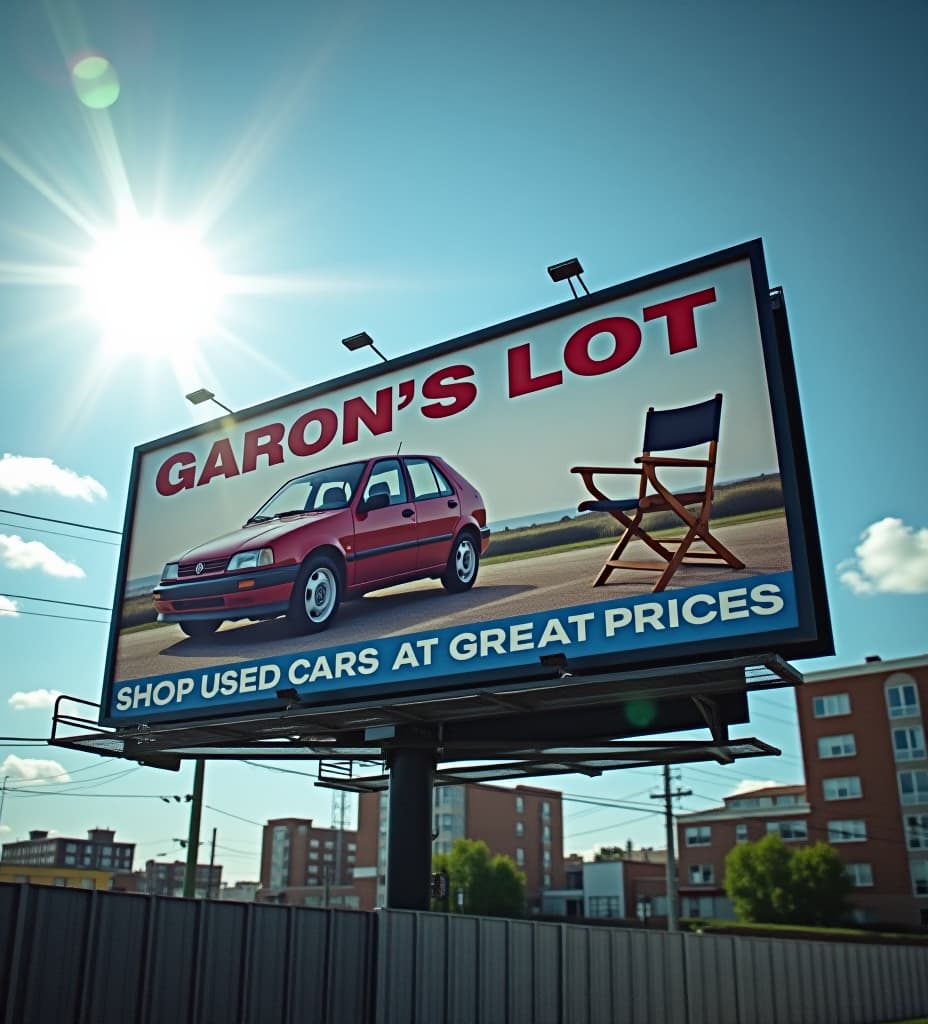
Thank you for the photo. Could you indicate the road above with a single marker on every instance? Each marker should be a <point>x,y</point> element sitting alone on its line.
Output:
<point>502,590</point>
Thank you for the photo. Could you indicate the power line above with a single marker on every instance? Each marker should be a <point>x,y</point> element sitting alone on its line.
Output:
<point>59,522</point>
<point>52,600</point>
<point>67,618</point>
<point>58,533</point>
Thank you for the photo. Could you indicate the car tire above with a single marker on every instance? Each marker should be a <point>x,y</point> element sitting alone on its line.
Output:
<point>463,563</point>
<point>317,594</point>
<point>200,629</point>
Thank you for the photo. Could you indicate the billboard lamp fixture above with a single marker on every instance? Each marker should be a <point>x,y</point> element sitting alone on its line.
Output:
<point>203,395</point>
<point>288,694</point>
<point>567,271</point>
<point>558,662</point>
<point>362,340</point>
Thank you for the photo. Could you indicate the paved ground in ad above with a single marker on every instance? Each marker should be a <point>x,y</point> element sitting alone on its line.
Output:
<point>502,590</point>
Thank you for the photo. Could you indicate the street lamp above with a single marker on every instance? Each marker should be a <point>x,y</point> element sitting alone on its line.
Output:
<point>202,395</point>
<point>362,340</point>
<point>567,271</point>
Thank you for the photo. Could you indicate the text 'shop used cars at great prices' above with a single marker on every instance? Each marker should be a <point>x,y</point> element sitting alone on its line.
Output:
<point>330,534</point>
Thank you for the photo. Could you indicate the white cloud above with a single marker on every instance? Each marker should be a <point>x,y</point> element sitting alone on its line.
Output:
<point>7,606</point>
<point>20,474</point>
<point>749,785</point>
<point>16,553</point>
<point>891,558</point>
<point>32,700</point>
<point>4,829</point>
<point>33,769</point>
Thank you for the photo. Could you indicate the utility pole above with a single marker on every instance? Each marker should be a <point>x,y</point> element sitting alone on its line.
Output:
<point>667,796</point>
<point>193,836</point>
<point>212,861</point>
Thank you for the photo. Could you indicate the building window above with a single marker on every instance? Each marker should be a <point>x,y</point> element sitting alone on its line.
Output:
<point>61,882</point>
<point>87,883</point>
<point>913,787</point>
<point>919,870</point>
<point>841,789</point>
<point>847,831</point>
<point>546,882</point>
<point>546,833</point>
<point>546,858</point>
<point>741,833</point>
<point>330,844</point>
<point>861,875</point>
<point>604,906</point>
<point>545,808</point>
<point>520,856</point>
<point>837,746</point>
<point>314,842</point>
<point>790,831</point>
<point>831,705</point>
<point>909,743</point>
<point>901,696</point>
<point>701,874</point>
<point>916,831</point>
<point>520,805</point>
<point>520,828</point>
<point>699,835</point>
<point>314,855</point>
<point>352,847</point>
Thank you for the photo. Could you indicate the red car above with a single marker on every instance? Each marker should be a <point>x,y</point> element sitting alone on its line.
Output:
<point>331,534</point>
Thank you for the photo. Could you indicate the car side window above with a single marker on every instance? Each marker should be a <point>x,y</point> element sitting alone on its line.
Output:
<point>387,473</point>
<point>427,480</point>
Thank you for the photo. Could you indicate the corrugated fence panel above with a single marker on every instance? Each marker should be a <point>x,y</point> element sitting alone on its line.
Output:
<point>116,970</point>
<point>548,972</point>
<point>396,962</point>
<point>463,974</point>
<point>494,974</point>
<point>69,955</point>
<point>711,996</point>
<point>268,966</point>
<point>171,960</point>
<point>602,1006</point>
<point>520,942</point>
<point>55,935</point>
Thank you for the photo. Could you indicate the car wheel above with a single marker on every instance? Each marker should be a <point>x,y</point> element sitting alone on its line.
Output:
<point>316,595</point>
<point>462,564</point>
<point>200,629</point>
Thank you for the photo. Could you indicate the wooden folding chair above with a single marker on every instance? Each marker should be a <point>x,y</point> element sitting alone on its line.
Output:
<point>667,430</point>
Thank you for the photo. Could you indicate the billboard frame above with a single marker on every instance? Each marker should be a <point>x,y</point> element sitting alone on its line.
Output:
<point>812,635</point>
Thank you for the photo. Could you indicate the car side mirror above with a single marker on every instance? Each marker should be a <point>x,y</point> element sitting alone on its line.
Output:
<point>375,501</point>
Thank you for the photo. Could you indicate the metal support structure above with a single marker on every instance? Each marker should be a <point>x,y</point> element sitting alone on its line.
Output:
<point>409,828</point>
<point>193,836</point>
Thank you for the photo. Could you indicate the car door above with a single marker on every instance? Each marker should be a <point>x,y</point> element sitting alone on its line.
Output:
<point>385,538</point>
<point>438,511</point>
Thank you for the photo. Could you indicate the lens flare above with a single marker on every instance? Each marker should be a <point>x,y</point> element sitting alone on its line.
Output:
<point>95,81</point>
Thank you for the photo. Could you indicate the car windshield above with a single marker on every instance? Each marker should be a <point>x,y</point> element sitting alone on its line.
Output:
<point>325,489</point>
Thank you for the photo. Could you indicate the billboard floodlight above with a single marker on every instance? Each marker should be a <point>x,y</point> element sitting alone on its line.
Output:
<point>203,395</point>
<point>362,340</point>
<point>567,271</point>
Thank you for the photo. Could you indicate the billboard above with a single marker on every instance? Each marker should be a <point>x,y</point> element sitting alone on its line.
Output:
<point>452,517</point>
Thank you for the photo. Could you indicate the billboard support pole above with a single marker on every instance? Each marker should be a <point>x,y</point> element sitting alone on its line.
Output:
<point>193,836</point>
<point>409,828</point>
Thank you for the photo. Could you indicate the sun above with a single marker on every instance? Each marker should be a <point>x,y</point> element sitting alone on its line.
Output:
<point>153,287</point>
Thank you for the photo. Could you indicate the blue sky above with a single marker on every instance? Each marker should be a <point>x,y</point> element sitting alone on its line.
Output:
<point>411,172</point>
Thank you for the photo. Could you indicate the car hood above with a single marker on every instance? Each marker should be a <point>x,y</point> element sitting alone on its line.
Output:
<point>255,536</point>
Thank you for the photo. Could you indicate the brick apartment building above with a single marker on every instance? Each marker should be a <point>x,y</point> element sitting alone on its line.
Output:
<point>862,733</point>
<point>524,823</point>
<point>307,865</point>
<point>99,851</point>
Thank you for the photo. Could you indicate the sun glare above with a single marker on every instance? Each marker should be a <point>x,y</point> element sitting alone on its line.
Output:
<point>153,288</point>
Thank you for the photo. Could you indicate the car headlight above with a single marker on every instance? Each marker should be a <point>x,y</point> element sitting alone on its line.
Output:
<point>251,559</point>
<point>170,571</point>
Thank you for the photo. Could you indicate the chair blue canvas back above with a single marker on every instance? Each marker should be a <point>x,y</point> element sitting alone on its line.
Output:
<point>690,425</point>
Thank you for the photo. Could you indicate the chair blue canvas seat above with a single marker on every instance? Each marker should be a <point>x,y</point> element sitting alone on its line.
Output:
<point>667,430</point>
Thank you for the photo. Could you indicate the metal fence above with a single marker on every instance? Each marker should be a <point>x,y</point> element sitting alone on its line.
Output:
<point>94,958</point>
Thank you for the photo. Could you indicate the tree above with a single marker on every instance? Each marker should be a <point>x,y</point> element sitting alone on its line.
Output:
<point>770,883</point>
<point>491,885</point>
<point>609,853</point>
